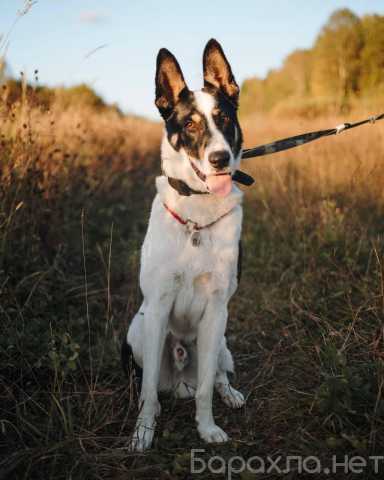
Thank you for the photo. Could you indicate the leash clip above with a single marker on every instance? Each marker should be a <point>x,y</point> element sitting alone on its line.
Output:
<point>372,119</point>
<point>340,128</point>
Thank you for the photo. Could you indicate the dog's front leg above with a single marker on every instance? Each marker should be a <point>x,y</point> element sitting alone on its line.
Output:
<point>210,336</point>
<point>155,329</point>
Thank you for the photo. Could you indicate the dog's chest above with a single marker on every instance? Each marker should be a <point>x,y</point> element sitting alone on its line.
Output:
<point>187,311</point>
<point>189,269</point>
<point>199,272</point>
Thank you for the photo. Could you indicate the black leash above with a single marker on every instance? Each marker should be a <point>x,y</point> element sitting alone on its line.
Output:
<point>278,146</point>
<point>297,140</point>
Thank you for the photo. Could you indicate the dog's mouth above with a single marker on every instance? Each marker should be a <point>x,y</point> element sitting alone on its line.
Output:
<point>218,183</point>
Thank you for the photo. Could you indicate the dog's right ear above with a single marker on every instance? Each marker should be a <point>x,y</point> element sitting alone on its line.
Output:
<point>169,82</point>
<point>218,72</point>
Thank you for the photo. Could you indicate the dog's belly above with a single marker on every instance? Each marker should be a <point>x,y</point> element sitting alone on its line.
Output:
<point>190,303</point>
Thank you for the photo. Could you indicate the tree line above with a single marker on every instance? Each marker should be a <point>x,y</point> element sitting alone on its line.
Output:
<point>344,66</point>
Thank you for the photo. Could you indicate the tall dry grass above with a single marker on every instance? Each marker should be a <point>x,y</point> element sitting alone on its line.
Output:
<point>313,290</point>
<point>75,189</point>
<point>306,323</point>
<point>351,163</point>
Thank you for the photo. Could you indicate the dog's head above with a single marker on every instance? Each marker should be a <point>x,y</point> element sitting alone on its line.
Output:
<point>203,140</point>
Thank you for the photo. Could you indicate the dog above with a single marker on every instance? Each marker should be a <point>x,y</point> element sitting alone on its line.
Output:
<point>190,255</point>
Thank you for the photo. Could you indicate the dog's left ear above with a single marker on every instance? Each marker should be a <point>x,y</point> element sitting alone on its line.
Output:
<point>217,71</point>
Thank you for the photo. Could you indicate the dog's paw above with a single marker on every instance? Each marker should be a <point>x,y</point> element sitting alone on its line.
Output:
<point>143,435</point>
<point>212,433</point>
<point>230,396</point>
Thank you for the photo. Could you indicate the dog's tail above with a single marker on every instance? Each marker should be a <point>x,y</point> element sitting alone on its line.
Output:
<point>132,370</point>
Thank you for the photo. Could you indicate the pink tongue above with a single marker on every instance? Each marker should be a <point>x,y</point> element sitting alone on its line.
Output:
<point>219,184</point>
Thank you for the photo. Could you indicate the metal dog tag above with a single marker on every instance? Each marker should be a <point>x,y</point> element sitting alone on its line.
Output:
<point>194,232</point>
<point>195,238</point>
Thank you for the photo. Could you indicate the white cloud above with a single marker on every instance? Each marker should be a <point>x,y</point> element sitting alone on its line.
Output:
<point>92,16</point>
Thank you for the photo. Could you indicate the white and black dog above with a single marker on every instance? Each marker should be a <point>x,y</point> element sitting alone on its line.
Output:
<point>190,255</point>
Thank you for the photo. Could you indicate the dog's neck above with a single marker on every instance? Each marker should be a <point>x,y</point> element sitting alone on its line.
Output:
<point>202,209</point>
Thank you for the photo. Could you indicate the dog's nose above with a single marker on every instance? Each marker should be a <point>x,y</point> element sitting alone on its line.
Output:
<point>219,159</point>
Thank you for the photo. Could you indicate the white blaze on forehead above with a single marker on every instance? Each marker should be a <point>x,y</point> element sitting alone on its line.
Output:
<point>220,185</point>
<point>204,102</point>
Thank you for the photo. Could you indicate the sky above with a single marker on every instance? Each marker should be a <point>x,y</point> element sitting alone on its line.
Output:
<point>112,44</point>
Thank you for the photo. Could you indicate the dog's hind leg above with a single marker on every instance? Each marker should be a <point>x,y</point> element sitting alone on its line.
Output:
<point>153,328</point>
<point>229,395</point>
<point>132,370</point>
<point>135,336</point>
<point>132,350</point>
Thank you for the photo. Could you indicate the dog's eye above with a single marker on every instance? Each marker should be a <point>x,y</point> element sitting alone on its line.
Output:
<point>224,117</point>
<point>220,115</point>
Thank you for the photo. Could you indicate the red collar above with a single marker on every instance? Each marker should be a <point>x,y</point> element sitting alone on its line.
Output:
<point>175,215</point>
<point>191,223</point>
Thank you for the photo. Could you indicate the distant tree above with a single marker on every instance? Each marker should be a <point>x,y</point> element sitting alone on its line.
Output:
<point>37,96</point>
<point>345,63</point>
<point>292,80</point>
<point>252,96</point>
<point>79,95</point>
<point>336,57</point>
<point>372,55</point>
<point>278,87</point>
<point>297,71</point>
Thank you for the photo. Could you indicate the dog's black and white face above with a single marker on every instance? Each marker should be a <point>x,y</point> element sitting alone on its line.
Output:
<point>203,138</point>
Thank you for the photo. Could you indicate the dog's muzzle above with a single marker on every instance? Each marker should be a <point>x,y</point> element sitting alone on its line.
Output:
<point>217,183</point>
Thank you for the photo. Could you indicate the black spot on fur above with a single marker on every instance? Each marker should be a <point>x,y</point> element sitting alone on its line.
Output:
<point>239,262</point>
<point>225,118</point>
<point>193,140</point>
<point>131,369</point>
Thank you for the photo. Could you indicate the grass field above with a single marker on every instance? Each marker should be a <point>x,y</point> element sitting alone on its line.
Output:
<point>306,325</point>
